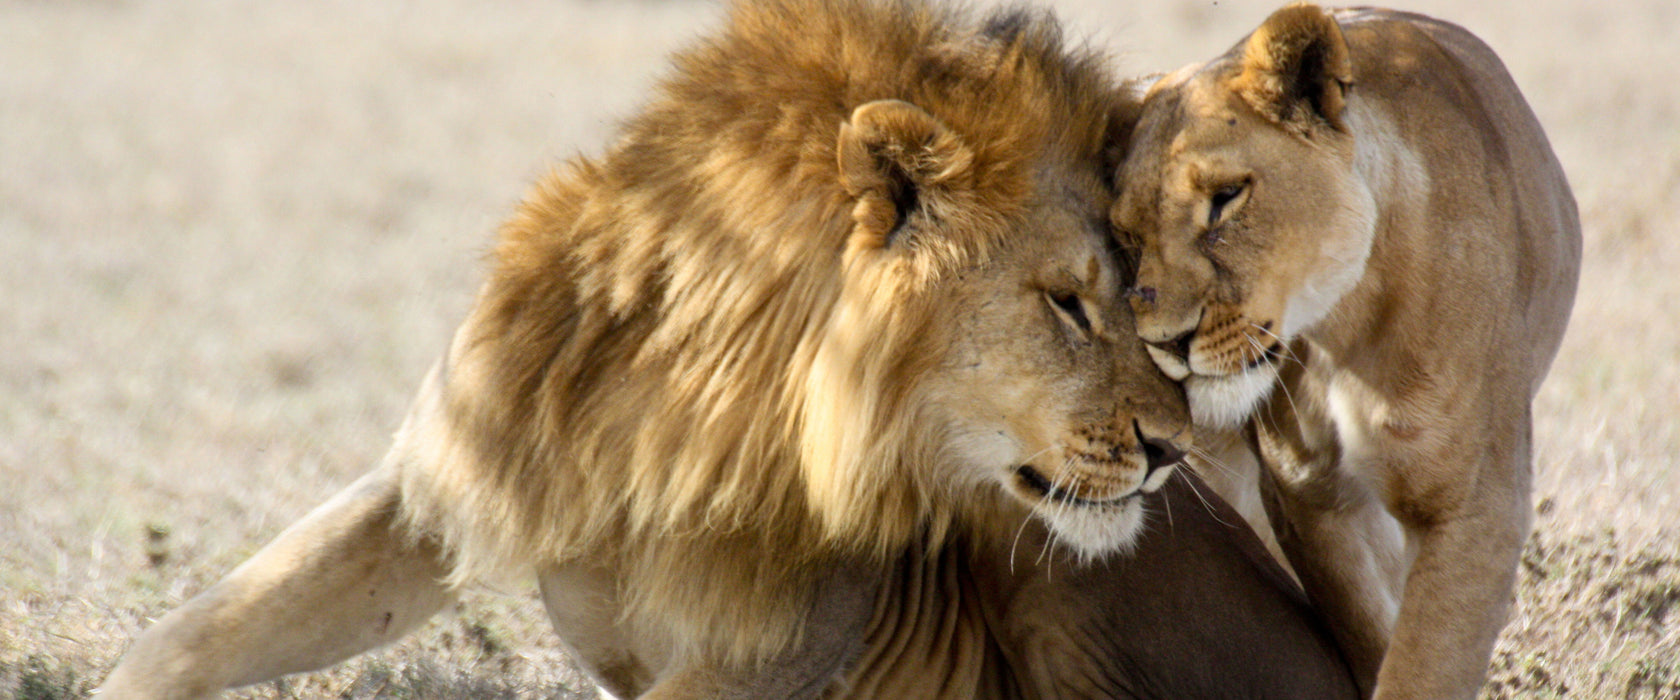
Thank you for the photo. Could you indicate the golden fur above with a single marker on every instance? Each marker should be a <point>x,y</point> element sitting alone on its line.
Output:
<point>843,289</point>
<point>1356,241</point>
<point>659,370</point>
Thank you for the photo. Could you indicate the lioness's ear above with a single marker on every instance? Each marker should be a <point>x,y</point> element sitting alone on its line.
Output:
<point>892,155</point>
<point>1295,69</point>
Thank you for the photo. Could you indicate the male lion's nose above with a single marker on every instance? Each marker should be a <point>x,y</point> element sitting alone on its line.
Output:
<point>1161,453</point>
<point>1178,346</point>
<point>1157,452</point>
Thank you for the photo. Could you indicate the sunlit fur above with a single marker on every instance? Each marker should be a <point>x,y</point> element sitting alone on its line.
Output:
<point>699,357</point>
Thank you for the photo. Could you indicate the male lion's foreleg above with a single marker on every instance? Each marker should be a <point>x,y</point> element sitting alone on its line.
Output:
<point>337,582</point>
<point>845,603</point>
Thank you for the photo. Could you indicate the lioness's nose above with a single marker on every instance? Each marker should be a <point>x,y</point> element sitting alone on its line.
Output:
<point>1178,346</point>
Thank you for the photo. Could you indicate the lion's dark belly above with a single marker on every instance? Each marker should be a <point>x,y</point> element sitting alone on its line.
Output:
<point>1198,610</point>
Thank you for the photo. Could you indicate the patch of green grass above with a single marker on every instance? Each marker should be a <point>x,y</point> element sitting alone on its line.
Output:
<point>488,640</point>
<point>1524,675</point>
<point>1654,678</point>
<point>44,678</point>
<point>1652,602</point>
<point>1594,618</point>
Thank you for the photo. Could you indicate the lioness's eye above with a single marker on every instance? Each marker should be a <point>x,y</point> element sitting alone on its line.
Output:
<point>1071,306</point>
<point>1222,198</point>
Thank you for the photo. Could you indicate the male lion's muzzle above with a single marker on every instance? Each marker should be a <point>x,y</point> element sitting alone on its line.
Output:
<point>1101,473</point>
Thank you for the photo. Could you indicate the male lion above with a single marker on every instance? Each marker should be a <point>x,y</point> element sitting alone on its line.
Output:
<point>1355,237</point>
<point>843,291</point>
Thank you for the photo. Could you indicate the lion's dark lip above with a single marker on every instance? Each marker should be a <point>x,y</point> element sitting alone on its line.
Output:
<point>1036,481</point>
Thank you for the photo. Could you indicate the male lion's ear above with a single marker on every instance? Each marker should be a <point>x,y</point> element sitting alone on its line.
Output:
<point>892,154</point>
<point>1296,69</point>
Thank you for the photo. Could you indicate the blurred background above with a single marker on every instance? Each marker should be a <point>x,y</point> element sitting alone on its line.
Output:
<point>233,235</point>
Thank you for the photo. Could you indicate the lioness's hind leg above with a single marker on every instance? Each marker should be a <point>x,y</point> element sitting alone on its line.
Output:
<point>338,582</point>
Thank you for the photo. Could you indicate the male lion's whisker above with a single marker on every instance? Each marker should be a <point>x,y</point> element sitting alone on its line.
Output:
<point>1026,519</point>
<point>1036,455</point>
<point>1196,489</point>
<point>1210,460</point>
<point>1167,503</point>
<point>1059,509</point>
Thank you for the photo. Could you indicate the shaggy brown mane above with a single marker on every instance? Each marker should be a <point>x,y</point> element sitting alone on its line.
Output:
<point>638,378</point>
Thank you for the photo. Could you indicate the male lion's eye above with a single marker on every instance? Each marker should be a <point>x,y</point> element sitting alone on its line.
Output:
<point>1071,306</point>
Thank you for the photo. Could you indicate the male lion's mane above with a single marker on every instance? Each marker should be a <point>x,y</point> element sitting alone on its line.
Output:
<point>677,363</point>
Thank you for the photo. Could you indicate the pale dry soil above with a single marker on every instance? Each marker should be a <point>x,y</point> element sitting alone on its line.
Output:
<point>234,235</point>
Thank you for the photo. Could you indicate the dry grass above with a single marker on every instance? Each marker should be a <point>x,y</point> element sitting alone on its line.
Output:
<point>233,235</point>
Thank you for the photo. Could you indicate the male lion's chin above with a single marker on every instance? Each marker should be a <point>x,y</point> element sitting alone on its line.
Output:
<point>1096,531</point>
<point>1224,402</point>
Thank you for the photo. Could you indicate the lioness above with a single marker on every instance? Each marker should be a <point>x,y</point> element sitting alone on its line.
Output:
<point>1356,242</point>
<point>842,292</point>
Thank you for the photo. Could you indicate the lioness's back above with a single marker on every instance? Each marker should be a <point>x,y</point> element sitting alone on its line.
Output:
<point>1425,68</point>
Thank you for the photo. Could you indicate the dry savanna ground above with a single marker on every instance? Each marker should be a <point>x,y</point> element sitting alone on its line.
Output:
<point>233,236</point>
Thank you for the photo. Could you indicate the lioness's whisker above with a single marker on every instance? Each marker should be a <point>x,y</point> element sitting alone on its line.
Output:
<point>1284,351</point>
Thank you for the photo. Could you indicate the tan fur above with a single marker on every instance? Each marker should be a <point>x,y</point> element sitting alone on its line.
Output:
<point>1356,241</point>
<point>821,303</point>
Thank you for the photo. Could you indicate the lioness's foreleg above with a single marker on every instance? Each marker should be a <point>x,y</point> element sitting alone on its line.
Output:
<point>1458,592</point>
<point>1350,556</point>
<point>1412,557</point>
<point>340,581</point>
